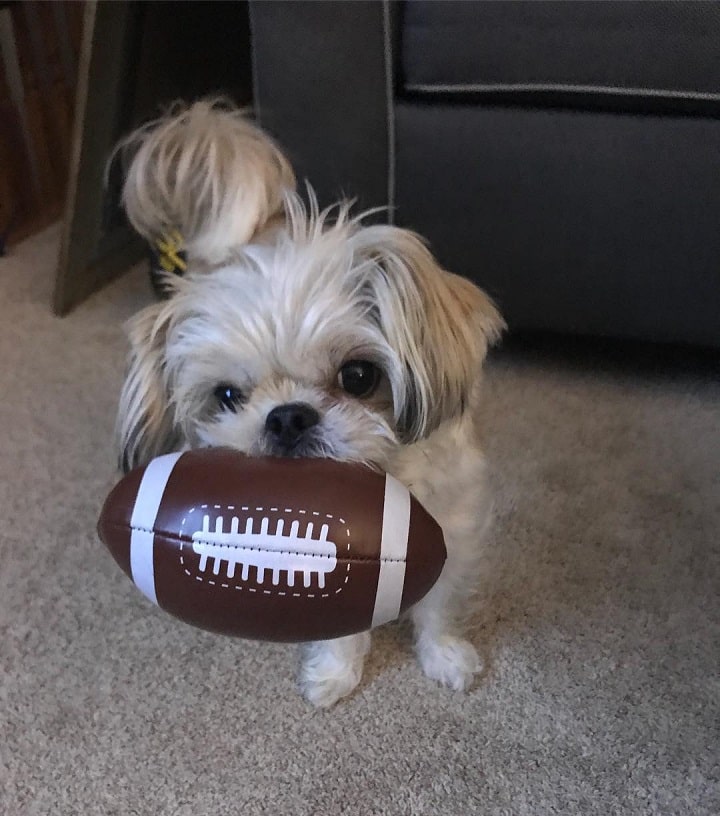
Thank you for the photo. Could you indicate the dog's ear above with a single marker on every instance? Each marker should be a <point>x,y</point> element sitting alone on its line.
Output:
<point>439,324</point>
<point>145,426</point>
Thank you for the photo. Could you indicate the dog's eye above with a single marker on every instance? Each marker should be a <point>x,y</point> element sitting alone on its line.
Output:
<point>359,378</point>
<point>227,396</point>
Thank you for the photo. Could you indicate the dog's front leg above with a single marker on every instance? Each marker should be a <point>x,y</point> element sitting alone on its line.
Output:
<point>444,655</point>
<point>331,669</point>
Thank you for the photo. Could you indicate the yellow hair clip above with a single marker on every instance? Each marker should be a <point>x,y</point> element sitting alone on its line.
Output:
<point>170,253</point>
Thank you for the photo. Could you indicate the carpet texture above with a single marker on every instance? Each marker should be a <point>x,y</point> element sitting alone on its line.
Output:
<point>600,624</point>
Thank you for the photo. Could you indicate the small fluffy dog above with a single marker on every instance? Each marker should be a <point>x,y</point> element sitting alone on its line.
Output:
<point>304,333</point>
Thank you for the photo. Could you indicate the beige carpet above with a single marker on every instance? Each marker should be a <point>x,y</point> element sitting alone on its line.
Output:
<point>601,625</point>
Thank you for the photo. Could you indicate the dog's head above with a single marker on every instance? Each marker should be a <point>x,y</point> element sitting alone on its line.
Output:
<point>332,339</point>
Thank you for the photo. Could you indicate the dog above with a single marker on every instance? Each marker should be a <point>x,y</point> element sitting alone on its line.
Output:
<point>305,333</point>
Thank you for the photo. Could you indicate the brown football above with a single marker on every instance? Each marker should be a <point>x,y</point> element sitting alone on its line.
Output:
<point>274,549</point>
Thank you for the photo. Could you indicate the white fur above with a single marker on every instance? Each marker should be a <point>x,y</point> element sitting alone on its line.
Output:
<point>275,311</point>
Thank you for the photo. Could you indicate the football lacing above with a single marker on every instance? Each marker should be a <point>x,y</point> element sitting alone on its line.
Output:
<point>275,551</point>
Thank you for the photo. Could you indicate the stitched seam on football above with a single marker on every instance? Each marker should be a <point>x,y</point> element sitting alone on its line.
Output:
<point>187,540</point>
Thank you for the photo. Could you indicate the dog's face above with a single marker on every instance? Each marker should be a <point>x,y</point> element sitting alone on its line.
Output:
<point>279,362</point>
<point>336,341</point>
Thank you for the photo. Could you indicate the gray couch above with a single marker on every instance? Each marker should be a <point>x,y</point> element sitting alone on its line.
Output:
<point>564,155</point>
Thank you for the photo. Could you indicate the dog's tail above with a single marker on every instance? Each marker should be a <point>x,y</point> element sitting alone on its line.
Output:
<point>206,172</point>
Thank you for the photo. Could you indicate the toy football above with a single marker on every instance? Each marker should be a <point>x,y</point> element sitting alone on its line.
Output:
<point>273,549</point>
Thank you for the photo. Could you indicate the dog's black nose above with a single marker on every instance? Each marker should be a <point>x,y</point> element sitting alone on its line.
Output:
<point>287,423</point>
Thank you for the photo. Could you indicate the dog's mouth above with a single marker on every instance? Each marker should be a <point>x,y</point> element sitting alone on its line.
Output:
<point>361,441</point>
<point>309,446</point>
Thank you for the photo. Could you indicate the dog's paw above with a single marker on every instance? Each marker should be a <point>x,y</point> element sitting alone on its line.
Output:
<point>451,661</point>
<point>332,669</point>
<point>325,692</point>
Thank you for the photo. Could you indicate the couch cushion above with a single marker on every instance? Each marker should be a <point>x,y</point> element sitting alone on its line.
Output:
<point>661,49</point>
<point>599,223</point>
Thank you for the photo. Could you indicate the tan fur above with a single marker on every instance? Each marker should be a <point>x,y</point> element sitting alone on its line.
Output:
<point>441,322</point>
<point>207,171</point>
